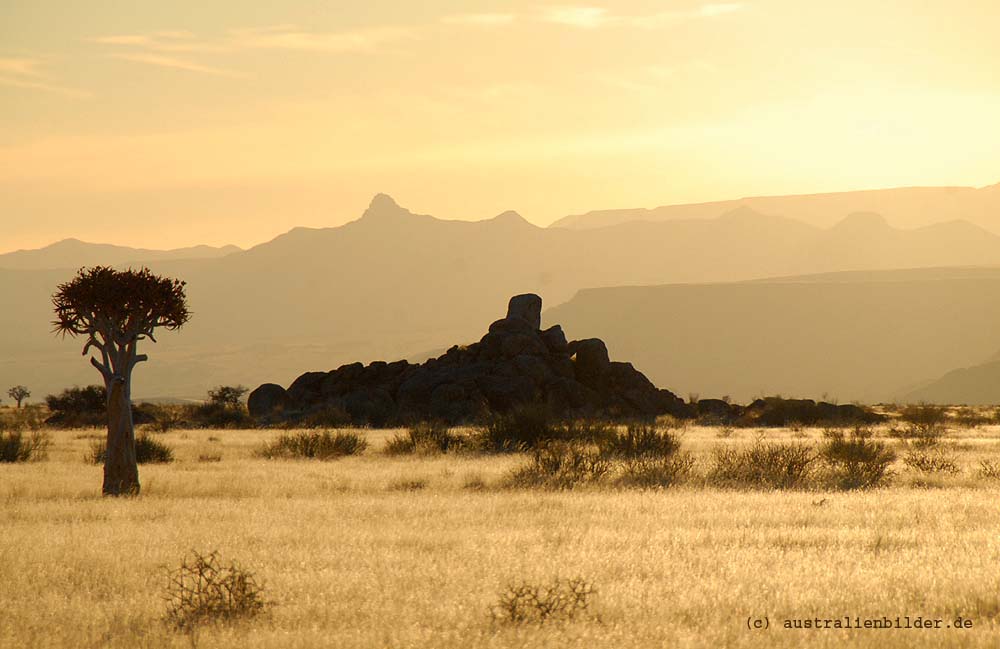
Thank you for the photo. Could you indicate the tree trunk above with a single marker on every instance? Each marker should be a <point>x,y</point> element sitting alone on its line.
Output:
<point>121,471</point>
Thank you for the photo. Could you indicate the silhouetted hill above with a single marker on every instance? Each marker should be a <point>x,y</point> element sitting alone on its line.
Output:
<point>865,336</point>
<point>73,253</point>
<point>393,284</point>
<point>976,385</point>
<point>907,207</point>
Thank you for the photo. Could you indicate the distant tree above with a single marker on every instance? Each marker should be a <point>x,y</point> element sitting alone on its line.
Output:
<point>18,393</point>
<point>228,395</point>
<point>115,310</point>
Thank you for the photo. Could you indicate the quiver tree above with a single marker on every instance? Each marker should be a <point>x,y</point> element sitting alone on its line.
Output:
<point>115,310</point>
<point>19,393</point>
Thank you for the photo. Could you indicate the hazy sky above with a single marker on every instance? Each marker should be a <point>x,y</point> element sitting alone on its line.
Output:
<point>163,124</point>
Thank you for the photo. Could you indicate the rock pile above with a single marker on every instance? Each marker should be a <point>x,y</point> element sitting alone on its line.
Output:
<point>515,363</point>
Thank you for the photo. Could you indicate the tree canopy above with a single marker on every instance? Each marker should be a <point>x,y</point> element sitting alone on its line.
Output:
<point>114,309</point>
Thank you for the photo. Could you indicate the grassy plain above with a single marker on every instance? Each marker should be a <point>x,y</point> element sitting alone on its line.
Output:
<point>378,551</point>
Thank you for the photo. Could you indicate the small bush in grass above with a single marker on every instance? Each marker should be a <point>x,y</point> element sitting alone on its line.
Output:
<point>27,417</point>
<point>522,428</point>
<point>586,430</point>
<point>408,484</point>
<point>322,445</point>
<point>672,423</point>
<point>970,418</point>
<point>148,450</point>
<point>989,470</point>
<point>856,461</point>
<point>217,415</point>
<point>764,465</point>
<point>205,591</point>
<point>474,482</point>
<point>930,462</point>
<point>527,602</point>
<point>425,438</point>
<point>650,471</point>
<point>16,446</point>
<point>165,418</point>
<point>921,436</point>
<point>560,465</point>
<point>924,415</point>
<point>639,440</point>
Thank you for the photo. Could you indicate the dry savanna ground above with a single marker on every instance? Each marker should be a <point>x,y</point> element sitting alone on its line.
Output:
<point>413,551</point>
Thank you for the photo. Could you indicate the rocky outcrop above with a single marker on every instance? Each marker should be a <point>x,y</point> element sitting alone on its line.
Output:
<point>776,412</point>
<point>515,363</point>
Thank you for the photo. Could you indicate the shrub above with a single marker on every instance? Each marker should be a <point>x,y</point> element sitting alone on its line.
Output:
<point>586,430</point>
<point>204,591</point>
<point>15,446</point>
<point>218,415</point>
<point>764,465</point>
<point>921,435</point>
<point>78,407</point>
<point>856,461</point>
<point>560,599</point>
<point>148,450</point>
<point>228,395</point>
<point>930,462</point>
<point>410,484</point>
<point>560,465</point>
<point>164,418</point>
<point>649,471</point>
<point>640,440</point>
<point>426,438</point>
<point>989,470</point>
<point>474,482</point>
<point>27,417</point>
<point>522,428</point>
<point>322,445</point>
<point>924,415</point>
<point>671,422</point>
<point>970,418</point>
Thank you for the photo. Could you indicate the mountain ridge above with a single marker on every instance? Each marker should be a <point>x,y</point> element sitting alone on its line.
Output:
<point>905,207</point>
<point>392,284</point>
<point>74,253</point>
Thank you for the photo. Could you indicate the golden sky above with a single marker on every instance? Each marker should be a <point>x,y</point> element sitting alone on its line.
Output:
<point>163,124</point>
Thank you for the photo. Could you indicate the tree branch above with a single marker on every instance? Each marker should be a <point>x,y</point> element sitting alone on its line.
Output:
<point>92,342</point>
<point>104,370</point>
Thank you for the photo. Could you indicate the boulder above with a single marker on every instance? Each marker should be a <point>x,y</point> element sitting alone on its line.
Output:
<point>591,358</point>
<point>555,339</point>
<point>268,399</point>
<point>526,307</point>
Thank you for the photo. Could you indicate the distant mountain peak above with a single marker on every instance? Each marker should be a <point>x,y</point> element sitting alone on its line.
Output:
<point>510,216</point>
<point>863,221</point>
<point>384,208</point>
<point>383,202</point>
<point>69,241</point>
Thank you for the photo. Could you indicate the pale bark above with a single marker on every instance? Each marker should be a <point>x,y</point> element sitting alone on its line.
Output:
<point>118,358</point>
<point>121,471</point>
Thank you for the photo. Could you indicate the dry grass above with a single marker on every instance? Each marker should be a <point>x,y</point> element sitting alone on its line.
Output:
<point>352,559</point>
